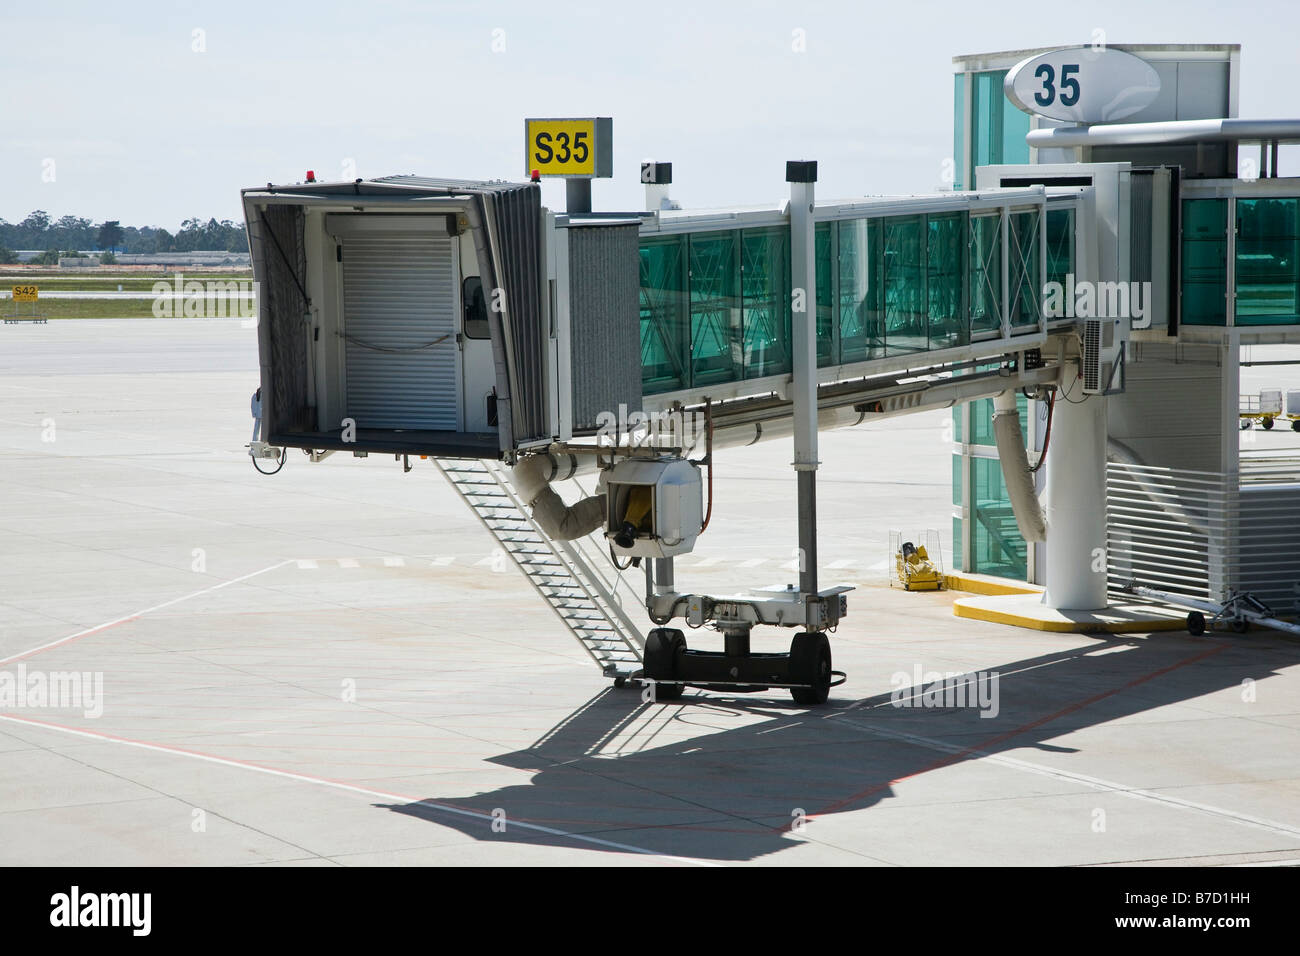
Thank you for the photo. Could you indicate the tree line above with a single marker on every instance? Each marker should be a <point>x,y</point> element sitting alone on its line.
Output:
<point>40,231</point>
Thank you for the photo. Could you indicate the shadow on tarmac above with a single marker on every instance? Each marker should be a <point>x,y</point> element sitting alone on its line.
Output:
<point>618,769</point>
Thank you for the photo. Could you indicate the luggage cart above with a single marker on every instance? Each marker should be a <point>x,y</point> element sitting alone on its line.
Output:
<point>1264,408</point>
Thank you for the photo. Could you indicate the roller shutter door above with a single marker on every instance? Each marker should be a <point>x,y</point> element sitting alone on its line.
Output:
<point>401,357</point>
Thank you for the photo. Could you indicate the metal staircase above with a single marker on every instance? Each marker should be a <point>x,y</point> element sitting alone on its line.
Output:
<point>577,578</point>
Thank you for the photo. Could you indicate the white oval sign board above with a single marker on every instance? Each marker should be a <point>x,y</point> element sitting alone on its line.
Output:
<point>1083,85</point>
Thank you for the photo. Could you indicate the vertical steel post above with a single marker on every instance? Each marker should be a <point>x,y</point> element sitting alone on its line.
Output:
<point>577,195</point>
<point>802,175</point>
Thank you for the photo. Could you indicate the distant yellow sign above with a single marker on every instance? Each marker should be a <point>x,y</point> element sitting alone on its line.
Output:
<point>25,293</point>
<point>561,147</point>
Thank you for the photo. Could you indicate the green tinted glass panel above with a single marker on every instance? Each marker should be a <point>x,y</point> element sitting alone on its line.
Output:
<point>981,422</point>
<point>903,280</point>
<point>956,423</point>
<point>1015,127</point>
<point>858,261</point>
<point>715,308</point>
<point>986,121</point>
<point>825,264</point>
<point>1205,262</point>
<point>981,417</point>
<point>765,294</point>
<point>1268,261</point>
<point>1060,245</point>
<point>956,545</point>
<point>998,128</point>
<point>996,544</point>
<point>1024,273</point>
<point>665,315</point>
<point>958,128</point>
<point>956,479</point>
<point>946,279</point>
<point>985,264</point>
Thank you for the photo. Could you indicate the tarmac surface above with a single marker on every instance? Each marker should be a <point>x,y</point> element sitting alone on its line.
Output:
<point>331,666</point>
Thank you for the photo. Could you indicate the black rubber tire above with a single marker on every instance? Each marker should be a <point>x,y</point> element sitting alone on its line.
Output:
<point>1196,623</point>
<point>1268,424</point>
<point>1240,626</point>
<point>663,646</point>
<point>810,662</point>
<point>1295,424</point>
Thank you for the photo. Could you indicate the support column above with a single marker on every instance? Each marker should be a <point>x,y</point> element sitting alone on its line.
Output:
<point>577,195</point>
<point>802,175</point>
<point>1076,501</point>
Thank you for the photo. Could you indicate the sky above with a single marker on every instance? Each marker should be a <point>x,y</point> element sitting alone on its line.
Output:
<point>152,113</point>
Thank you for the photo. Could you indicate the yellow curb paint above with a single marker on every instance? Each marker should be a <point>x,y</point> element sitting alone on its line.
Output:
<point>975,613</point>
<point>986,585</point>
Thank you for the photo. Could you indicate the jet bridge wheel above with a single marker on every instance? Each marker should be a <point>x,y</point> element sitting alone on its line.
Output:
<point>663,646</point>
<point>810,663</point>
<point>1195,623</point>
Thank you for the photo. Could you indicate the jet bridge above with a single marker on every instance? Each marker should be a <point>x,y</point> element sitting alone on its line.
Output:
<point>462,320</point>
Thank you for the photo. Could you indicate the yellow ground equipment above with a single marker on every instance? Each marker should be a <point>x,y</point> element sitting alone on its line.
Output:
<point>917,567</point>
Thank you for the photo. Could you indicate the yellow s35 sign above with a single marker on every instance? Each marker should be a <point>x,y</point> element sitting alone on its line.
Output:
<point>562,147</point>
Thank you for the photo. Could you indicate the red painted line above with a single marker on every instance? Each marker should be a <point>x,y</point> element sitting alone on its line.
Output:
<point>1000,738</point>
<point>445,806</point>
<point>72,637</point>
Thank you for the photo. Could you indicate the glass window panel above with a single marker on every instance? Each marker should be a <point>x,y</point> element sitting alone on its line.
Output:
<point>985,273</point>
<point>986,125</point>
<point>1015,127</point>
<point>665,315</point>
<point>1204,262</point>
<point>956,545</point>
<point>906,307</point>
<point>998,128</point>
<point>857,258</point>
<point>981,422</point>
<point>958,129</point>
<point>1025,270</point>
<point>946,279</point>
<point>765,293</point>
<point>1268,262</point>
<point>715,308</point>
<point>1060,245</point>
<point>824,256</point>
<point>996,543</point>
<point>981,416</point>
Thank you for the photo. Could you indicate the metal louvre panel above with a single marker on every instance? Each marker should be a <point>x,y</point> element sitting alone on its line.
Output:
<point>399,294</point>
<point>604,331</point>
<point>518,221</point>
<point>282,267</point>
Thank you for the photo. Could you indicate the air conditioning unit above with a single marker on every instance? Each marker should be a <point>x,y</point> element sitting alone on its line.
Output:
<point>1103,356</point>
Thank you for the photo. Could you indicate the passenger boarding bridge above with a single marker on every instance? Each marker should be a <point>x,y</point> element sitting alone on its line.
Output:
<point>522,348</point>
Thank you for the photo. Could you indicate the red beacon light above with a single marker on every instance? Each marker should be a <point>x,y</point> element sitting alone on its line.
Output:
<point>537,176</point>
<point>311,175</point>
